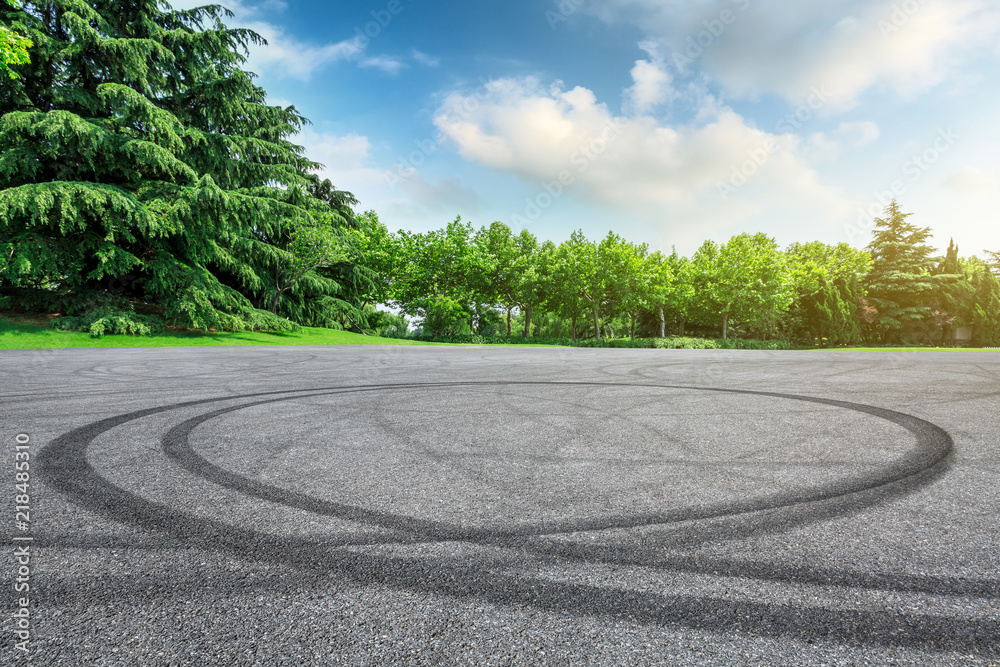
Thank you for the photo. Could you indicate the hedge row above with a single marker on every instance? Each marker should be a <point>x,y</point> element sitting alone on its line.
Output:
<point>675,342</point>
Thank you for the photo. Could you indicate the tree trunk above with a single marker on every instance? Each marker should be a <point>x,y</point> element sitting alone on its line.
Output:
<point>527,321</point>
<point>274,303</point>
<point>631,334</point>
<point>597,324</point>
<point>725,325</point>
<point>683,323</point>
<point>663,323</point>
<point>508,322</point>
<point>572,328</point>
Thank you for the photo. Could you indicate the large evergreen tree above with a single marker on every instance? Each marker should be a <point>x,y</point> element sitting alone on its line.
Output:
<point>901,285</point>
<point>140,166</point>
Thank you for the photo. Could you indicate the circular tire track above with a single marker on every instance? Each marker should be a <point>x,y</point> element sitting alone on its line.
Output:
<point>933,446</point>
<point>64,467</point>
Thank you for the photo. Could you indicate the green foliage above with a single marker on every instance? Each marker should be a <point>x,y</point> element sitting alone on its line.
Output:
<point>484,282</point>
<point>392,326</point>
<point>900,285</point>
<point>434,276</point>
<point>828,294</point>
<point>13,48</point>
<point>628,277</point>
<point>984,307</point>
<point>444,316</point>
<point>569,295</point>
<point>313,243</point>
<point>676,342</point>
<point>583,262</point>
<point>509,270</point>
<point>745,280</point>
<point>138,159</point>
<point>13,51</point>
<point>678,299</point>
<point>110,320</point>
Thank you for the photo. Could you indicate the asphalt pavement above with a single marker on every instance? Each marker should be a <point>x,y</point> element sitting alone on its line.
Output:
<point>500,506</point>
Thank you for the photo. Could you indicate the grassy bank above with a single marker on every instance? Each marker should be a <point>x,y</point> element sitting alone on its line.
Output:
<point>35,333</point>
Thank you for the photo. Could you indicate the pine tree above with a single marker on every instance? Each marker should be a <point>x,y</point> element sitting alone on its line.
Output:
<point>847,328</point>
<point>900,284</point>
<point>822,312</point>
<point>953,291</point>
<point>140,166</point>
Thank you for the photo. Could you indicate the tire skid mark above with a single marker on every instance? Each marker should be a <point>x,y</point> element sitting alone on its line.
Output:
<point>934,445</point>
<point>63,466</point>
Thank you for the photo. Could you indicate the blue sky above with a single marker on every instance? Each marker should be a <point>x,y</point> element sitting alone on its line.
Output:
<point>668,121</point>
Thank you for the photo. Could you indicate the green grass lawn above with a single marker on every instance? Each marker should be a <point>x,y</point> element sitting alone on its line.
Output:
<point>33,333</point>
<point>912,349</point>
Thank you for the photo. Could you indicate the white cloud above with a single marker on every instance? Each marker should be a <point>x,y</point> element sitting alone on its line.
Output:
<point>788,46</point>
<point>348,163</point>
<point>858,134</point>
<point>272,6</point>
<point>447,196</point>
<point>853,135</point>
<point>667,176</point>
<point>285,54</point>
<point>823,147</point>
<point>344,158</point>
<point>651,86</point>
<point>973,181</point>
<point>424,59</point>
<point>388,64</point>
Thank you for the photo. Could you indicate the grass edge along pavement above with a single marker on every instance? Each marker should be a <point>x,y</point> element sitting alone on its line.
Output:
<point>31,333</point>
<point>18,333</point>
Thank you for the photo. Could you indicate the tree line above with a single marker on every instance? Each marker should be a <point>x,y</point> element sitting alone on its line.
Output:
<point>146,182</point>
<point>459,280</point>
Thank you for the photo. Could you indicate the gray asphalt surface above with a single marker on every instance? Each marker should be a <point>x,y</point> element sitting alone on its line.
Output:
<point>494,506</point>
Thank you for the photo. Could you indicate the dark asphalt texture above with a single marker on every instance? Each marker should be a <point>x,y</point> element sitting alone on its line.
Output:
<point>505,506</point>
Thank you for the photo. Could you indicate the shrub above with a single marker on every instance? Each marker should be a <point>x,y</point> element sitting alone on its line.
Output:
<point>110,320</point>
<point>122,319</point>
